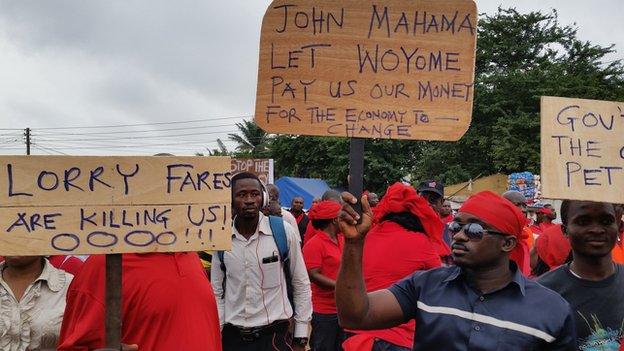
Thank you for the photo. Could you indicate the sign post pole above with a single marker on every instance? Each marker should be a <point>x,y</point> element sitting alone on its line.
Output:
<point>356,170</point>
<point>113,301</point>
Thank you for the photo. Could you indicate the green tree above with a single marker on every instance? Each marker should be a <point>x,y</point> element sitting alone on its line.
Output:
<point>252,142</point>
<point>520,57</point>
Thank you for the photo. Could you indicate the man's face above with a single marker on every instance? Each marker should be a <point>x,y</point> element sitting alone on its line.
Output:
<point>446,209</point>
<point>591,228</point>
<point>297,204</point>
<point>475,253</point>
<point>552,216</point>
<point>247,198</point>
<point>434,199</point>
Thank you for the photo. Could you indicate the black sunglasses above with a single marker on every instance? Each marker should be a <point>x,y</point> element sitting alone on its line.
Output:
<point>473,231</point>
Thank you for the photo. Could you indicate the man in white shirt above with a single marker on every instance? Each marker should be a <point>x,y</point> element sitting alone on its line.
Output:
<point>273,192</point>
<point>255,310</point>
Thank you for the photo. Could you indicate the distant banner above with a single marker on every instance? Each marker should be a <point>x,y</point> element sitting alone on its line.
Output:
<point>394,69</point>
<point>88,205</point>
<point>262,167</point>
<point>582,149</point>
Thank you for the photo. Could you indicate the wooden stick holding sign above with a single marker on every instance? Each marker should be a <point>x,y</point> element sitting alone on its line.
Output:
<point>582,150</point>
<point>60,205</point>
<point>390,69</point>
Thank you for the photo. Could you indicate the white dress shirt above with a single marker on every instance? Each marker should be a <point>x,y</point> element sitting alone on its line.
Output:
<point>290,219</point>
<point>255,293</point>
<point>37,316</point>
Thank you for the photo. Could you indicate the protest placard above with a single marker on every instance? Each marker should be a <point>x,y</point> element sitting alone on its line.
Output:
<point>86,205</point>
<point>364,69</point>
<point>262,167</point>
<point>582,149</point>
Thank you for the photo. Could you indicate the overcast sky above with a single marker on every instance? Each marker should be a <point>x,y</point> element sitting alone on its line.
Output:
<point>69,63</point>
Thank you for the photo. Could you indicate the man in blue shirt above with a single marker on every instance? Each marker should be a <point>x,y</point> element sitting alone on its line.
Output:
<point>483,303</point>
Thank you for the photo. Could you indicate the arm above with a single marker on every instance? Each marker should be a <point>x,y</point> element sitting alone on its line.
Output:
<point>356,308</point>
<point>216,279</point>
<point>302,295</point>
<point>319,279</point>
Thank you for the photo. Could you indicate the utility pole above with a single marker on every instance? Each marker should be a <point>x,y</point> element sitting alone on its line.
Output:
<point>27,141</point>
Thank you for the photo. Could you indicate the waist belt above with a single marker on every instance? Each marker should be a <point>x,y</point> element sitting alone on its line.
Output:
<point>254,333</point>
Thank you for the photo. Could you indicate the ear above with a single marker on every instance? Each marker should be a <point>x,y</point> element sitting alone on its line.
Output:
<point>509,243</point>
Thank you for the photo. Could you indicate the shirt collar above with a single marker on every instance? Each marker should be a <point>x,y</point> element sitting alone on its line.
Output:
<point>53,277</point>
<point>263,227</point>
<point>516,276</point>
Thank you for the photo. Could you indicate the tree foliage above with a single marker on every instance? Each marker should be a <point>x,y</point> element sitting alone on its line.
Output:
<point>520,57</point>
<point>252,142</point>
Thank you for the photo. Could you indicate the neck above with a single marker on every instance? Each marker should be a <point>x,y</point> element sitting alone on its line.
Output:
<point>29,272</point>
<point>331,233</point>
<point>592,268</point>
<point>491,278</point>
<point>295,212</point>
<point>246,226</point>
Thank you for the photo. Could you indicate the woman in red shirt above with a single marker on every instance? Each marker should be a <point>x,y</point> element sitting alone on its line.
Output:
<point>322,256</point>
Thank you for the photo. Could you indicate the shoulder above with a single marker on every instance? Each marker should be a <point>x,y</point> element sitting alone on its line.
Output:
<point>432,277</point>
<point>553,278</point>
<point>548,300</point>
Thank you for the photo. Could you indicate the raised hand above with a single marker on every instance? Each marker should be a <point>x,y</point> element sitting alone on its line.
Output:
<point>352,225</point>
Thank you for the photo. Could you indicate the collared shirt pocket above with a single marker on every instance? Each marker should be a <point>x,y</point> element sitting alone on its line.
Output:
<point>271,274</point>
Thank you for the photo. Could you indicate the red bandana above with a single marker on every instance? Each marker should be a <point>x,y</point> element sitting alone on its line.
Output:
<point>324,210</point>
<point>501,214</point>
<point>403,198</point>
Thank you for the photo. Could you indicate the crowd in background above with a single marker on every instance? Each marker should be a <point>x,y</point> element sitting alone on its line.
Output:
<point>406,273</point>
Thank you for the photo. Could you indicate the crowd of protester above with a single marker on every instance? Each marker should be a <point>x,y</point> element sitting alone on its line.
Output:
<point>407,273</point>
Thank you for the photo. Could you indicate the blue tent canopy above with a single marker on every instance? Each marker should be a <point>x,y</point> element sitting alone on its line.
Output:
<point>305,187</point>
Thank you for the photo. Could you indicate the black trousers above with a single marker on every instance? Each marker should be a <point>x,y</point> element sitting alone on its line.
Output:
<point>276,340</point>
<point>326,335</point>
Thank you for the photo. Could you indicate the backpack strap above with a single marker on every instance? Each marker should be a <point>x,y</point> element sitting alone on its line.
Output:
<point>281,241</point>
<point>220,254</point>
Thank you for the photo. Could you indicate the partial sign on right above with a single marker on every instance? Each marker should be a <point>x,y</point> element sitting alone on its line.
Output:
<point>582,149</point>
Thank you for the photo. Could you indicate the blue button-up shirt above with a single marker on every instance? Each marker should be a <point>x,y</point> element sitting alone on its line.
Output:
<point>452,315</point>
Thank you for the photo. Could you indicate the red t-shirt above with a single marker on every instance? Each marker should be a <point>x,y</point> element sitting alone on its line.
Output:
<point>392,253</point>
<point>167,304</point>
<point>69,264</point>
<point>321,252</point>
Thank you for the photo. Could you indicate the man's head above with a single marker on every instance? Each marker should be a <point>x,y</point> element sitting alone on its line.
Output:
<point>553,213</point>
<point>446,209</point>
<point>332,195</point>
<point>273,191</point>
<point>434,193</point>
<point>324,216</point>
<point>316,200</point>
<point>591,227</point>
<point>373,199</point>
<point>485,231</point>
<point>297,204</point>
<point>517,199</point>
<point>247,195</point>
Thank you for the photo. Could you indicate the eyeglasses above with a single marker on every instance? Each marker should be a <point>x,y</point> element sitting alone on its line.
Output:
<point>473,231</point>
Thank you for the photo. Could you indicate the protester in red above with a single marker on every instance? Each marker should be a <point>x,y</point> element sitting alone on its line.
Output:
<point>310,232</point>
<point>296,209</point>
<point>405,239</point>
<point>167,304</point>
<point>322,256</point>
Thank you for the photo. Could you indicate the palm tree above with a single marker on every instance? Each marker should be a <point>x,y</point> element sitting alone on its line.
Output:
<point>252,141</point>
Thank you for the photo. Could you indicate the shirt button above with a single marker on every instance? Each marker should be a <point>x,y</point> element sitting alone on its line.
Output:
<point>477,328</point>
<point>481,298</point>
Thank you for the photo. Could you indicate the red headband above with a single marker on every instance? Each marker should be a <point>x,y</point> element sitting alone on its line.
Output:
<point>326,209</point>
<point>403,198</point>
<point>504,216</point>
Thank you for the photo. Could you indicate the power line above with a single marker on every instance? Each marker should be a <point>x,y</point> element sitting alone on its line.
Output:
<point>48,148</point>
<point>46,133</point>
<point>148,124</point>
<point>138,137</point>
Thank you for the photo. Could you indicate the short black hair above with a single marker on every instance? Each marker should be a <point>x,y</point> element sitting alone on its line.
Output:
<point>245,175</point>
<point>406,220</point>
<point>565,209</point>
<point>321,224</point>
